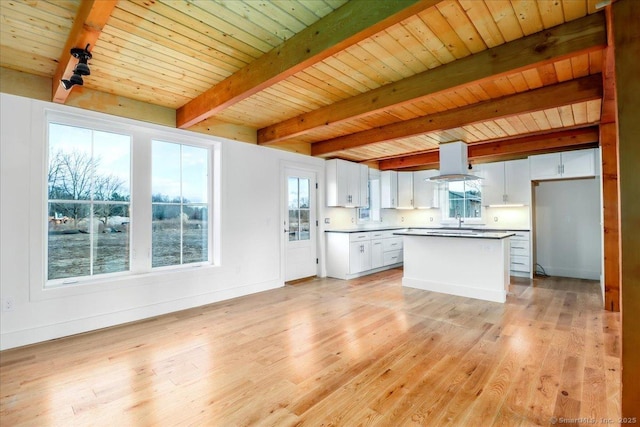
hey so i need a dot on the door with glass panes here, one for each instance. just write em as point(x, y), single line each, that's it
point(300, 224)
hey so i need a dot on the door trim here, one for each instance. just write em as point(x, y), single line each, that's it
point(319, 203)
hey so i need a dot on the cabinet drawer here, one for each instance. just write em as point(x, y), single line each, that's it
point(359, 237)
point(387, 234)
point(392, 257)
point(520, 248)
point(392, 244)
point(378, 234)
point(520, 235)
point(520, 263)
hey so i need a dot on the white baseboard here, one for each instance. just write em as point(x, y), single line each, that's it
point(49, 332)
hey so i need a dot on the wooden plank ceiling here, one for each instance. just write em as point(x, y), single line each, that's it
point(360, 80)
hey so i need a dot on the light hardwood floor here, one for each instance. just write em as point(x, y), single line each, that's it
point(331, 352)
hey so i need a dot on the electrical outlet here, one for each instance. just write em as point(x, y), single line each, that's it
point(327, 220)
point(7, 304)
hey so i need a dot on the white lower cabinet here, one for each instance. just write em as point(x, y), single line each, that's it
point(359, 256)
point(521, 254)
point(351, 255)
point(377, 254)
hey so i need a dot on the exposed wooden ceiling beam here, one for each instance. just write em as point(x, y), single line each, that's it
point(575, 37)
point(504, 148)
point(346, 26)
point(570, 92)
point(609, 103)
point(91, 18)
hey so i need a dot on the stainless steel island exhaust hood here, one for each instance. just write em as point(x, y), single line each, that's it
point(454, 161)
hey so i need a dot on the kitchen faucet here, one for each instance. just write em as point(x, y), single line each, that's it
point(460, 220)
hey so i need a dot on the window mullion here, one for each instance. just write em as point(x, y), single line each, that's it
point(181, 208)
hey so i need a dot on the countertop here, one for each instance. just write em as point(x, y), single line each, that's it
point(467, 234)
point(364, 229)
point(387, 228)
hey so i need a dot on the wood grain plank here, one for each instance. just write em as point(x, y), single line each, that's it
point(481, 18)
point(539, 99)
point(528, 16)
point(551, 12)
point(534, 144)
point(487, 65)
point(328, 351)
point(313, 44)
point(462, 25)
point(574, 9)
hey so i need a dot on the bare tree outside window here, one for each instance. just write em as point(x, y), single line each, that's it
point(88, 209)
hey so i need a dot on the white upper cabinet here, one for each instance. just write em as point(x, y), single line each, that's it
point(506, 183)
point(425, 192)
point(346, 183)
point(388, 189)
point(493, 183)
point(517, 182)
point(578, 163)
point(570, 164)
point(405, 190)
point(364, 185)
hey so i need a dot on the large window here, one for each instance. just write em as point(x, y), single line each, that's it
point(180, 176)
point(88, 202)
point(122, 199)
point(464, 199)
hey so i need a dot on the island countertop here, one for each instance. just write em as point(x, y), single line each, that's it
point(468, 234)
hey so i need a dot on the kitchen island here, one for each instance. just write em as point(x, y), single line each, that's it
point(468, 263)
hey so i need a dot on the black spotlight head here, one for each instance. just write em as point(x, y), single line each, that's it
point(76, 79)
point(82, 69)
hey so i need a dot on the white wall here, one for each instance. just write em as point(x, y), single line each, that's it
point(568, 228)
point(250, 238)
point(506, 218)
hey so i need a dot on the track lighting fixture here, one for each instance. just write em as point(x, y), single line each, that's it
point(82, 69)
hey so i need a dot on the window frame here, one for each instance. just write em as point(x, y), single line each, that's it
point(444, 203)
point(140, 271)
point(209, 260)
point(93, 126)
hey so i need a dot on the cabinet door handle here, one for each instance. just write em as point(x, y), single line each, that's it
point(518, 263)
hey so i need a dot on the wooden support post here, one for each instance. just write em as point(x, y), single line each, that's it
point(627, 52)
point(611, 219)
